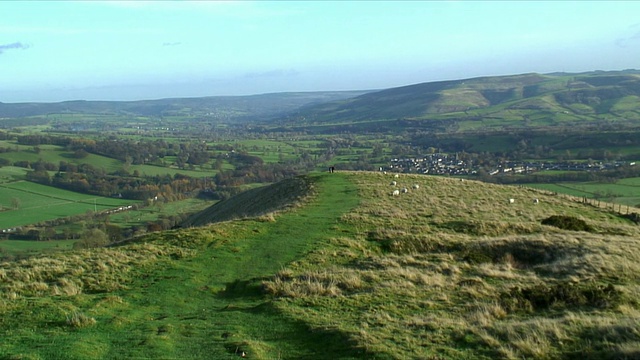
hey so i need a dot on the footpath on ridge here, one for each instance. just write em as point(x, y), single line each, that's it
point(211, 306)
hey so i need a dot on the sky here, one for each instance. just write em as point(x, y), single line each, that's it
point(133, 50)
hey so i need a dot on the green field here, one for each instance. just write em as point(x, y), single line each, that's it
point(143, 216)
point(624, 191)
point(30, 248)
point(153, 170)
point(36, 203)
point(12, 173)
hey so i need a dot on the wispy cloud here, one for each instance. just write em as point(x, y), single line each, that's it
point(629, 40)
point(15, 45)
point(623, 42)
point(171, 43)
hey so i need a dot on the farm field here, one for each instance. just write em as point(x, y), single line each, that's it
point(26, 203)
point(153, 170)
point(143, 216)
point(28, 247)
point(623, 191)
point(12, 173)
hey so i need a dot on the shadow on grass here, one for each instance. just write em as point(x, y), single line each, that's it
point(293, 338)
point(296, 339)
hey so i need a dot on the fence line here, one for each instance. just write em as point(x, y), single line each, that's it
point(597, 203)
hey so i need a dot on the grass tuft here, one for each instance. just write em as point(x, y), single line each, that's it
point(79, 320)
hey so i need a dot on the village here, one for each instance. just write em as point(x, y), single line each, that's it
point(446, 164)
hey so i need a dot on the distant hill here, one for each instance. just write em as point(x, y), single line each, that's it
point(233, 107)
point(509, 97)
point(514, 100)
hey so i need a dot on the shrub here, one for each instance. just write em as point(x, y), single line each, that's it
point(92, 238)
point(635, 217)
point(567, 223)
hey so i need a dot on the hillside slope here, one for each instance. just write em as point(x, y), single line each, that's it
point(236, 107)
point(255, 202)
point(521, 96)
point(449, 270)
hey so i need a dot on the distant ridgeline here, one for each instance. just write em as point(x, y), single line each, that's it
point(526, 97)
point(252, 107)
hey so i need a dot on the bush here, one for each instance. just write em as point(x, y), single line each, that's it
point(567, 223)
point(92, 238)
point(635, 217)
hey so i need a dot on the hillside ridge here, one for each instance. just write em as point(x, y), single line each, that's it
point(255, 202)
point(451, 269)
point(581, 94)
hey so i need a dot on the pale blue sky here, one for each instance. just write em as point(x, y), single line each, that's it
point(126, 50)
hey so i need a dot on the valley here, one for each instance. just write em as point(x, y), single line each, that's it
point(212, 228)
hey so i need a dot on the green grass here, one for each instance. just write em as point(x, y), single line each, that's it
point(451, 270)
point(21, 247)
point(623, 191)
point(12, 173)
point(206, 306)
point(145, 215)
point(40, 203)
point(153, 170)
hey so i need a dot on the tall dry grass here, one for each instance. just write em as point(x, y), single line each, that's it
point(453, 265)
point(95, 270)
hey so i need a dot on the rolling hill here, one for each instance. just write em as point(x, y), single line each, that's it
point(558, 97)
point(449, 270)
point(252, 107)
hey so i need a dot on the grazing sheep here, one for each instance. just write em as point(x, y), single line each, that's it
point(393, 183)
point(405, 190)
point(535, 201)
point(396, 192)
point(396, 176)
point(416, 186)
point(511, 201)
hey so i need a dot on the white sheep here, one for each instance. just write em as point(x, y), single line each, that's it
point(416, 186)
point(396, 192)
point(511, 201)
point(396, 176)
point(405, 190)
point(393, 183)
point(535, 201)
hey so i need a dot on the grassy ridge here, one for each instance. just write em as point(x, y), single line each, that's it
point(254, 202)
point(450, 270)
point(207, 305)
point(495, 102)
